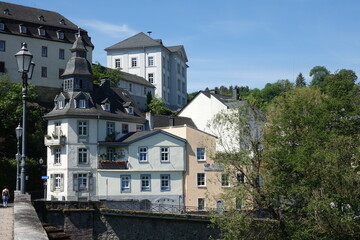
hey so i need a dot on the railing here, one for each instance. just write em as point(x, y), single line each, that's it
point(54, 141)
point(107, 164)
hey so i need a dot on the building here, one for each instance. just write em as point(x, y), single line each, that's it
point(204, 180)
point(84, 115)
point(164, 67)
point(48, 35)
point(138, 87)
point(150, 168)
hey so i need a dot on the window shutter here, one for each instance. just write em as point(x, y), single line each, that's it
point(61, 182)
point(52, 182)
point(75, 182)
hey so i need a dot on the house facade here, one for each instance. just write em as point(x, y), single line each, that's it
point(151, 168)
point(84, 114)
point(48, 35)
point(164, 67)
point(204, 183)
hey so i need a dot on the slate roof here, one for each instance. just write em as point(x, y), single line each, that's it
point(137, 136)
point(136, 79)
point(12, 15)
point(116, 96)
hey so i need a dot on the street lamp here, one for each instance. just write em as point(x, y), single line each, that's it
point(26, 68)
point(18, 132)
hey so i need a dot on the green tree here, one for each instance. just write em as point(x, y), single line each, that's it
point(157, 106)
point(300, 81)
point(100, 73)
point(318, 74)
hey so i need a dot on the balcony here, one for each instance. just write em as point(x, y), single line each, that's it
point(107, 164)
point(53, 141)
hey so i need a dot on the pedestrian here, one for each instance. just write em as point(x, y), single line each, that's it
point(5, 196)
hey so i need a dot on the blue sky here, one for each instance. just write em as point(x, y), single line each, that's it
point(229, 42)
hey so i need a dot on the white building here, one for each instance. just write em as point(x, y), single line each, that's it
point(48, 35)
point(152, 168)
point(165, 67)
point(84, 114)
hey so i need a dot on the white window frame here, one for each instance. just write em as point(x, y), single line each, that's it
point(82, 103)
point(82, 180)
point(42, 31)
point(125, 183)
point(225, 182)
point(110, 128)
point(165, 182)
point(2, 46)
point(60, 35)
point(23, 29)
point(117, 63)
point(60, 104)
point(151, 77)
point(57, 156)
point(201, 157)
point(145, 183)
point(57, 181)
point(204, 180)
point(165, 154)
point(83, 157)
point(143, 154)
point(151, 61)
point(82, 128)
point(201, 208)
point(133, 62)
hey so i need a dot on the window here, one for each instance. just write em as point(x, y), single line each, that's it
point(58, 128)
point(2, 46)
point(183, 71)
point(110, 128)
point(201, 204)
point(61, 53)
point(164, 154)
point(151, 77)
point(178, 68)
point(44, 72)
point(78, 83)
point(2, 26)
point(240, 177)
point(82, 155)
point(150, 61)
point(44, 51)
point(179, 99)
point(2, 67)
point(179, 85)
point(238, 203)
point(82, 181)
point(139, 128)
point(23, 29)
point(106, 107)
point(117, 63)
point(61, 71)
point(143, 154)
point(82, 128)
point(130, 87)
point(60, 35)
point(82, 103)
point(225, 180)
point(110, 152)
point(60, 104)
point(200, 154)
point(145, 91)
point(124, 128)
point(125, 183)
point(133, 62)
point(42, 32)
point(57, 181)
point(57, 155)
point(201, 180)
point(165, 182)
point(145, 182)
point(130, 110)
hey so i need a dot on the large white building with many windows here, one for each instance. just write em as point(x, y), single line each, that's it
point(164, 67)
point(48, 35)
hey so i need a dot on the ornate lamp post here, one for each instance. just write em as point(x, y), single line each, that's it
point(18, 132)
point(26, 68)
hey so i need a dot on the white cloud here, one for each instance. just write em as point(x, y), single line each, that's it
point(108, 29)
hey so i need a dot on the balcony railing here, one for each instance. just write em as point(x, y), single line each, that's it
point(107, 164)
point(54, 140)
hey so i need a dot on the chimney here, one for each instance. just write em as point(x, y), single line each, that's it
point(150, 120)
point(171, 121)
point(235, 95)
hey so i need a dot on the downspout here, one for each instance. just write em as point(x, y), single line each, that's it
point(97, 156)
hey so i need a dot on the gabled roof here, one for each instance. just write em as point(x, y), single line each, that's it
point(136, 41)
point(179, 50)
point(136, 79)
point(167, 121)
point(137, 136)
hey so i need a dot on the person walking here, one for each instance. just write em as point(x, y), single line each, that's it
point(5, 196)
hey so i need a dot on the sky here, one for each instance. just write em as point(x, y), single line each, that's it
point(229, 42)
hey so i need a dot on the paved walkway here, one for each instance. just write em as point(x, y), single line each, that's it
point(7, 222)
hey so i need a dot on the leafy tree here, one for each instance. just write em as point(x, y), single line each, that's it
point(300, 81)
point(318, 73)
point(100, 72)
point(157, 106)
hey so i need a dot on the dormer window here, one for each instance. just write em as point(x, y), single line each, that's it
point(62, 22)
point(41, 18)
point(106, 107)
point(82, 103)
point(23, 29)
point(60, 35)
point(42, 31)
point(2, 26)
point(7, 12)
point(130, 110)
point(60, 104)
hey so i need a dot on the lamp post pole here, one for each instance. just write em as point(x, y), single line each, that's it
point(18, 132)
point(26, 67)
